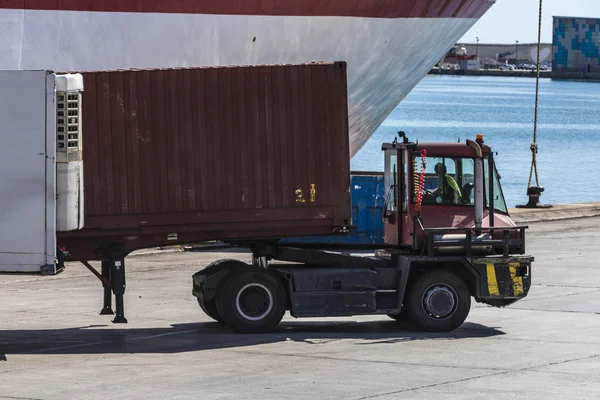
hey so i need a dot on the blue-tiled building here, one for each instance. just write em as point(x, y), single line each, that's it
point(576, 44)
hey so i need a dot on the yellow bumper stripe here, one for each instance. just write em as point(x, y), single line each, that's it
point(516, 280)
point(491, 278)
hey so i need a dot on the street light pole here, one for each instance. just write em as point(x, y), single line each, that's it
point(517, 53)
point(477, 48)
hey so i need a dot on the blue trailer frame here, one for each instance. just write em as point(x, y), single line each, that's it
point(367, 193)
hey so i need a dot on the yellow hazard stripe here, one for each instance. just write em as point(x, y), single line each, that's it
point(491, 278)
point(516, 280)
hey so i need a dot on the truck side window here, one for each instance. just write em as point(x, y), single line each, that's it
point(467, 181)
point(447, 180)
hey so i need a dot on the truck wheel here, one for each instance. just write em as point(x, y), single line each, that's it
point(210, 309)
point(438, 301)
point(400, 317)
point(253, 301)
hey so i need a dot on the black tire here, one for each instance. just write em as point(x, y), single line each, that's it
point(401, 317)
point(210, 309)
point(252, 301)
point(437, 301)
point(224, 263)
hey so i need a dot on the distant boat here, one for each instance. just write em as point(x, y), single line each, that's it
point(389, 45)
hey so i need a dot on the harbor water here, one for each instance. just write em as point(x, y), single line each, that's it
point(449, 108)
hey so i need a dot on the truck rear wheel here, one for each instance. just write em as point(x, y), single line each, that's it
point(437, 301)
point(253, 301)
point(402, 316)
point(210, 309)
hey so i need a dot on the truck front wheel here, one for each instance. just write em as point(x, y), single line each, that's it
point(437, 301)
point(252, 301)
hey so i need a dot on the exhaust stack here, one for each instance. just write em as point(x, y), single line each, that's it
point(478, 184)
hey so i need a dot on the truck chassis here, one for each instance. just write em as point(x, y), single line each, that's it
point(433, 292)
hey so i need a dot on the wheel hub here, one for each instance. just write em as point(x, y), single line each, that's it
point(254, 301)
point(439, 301)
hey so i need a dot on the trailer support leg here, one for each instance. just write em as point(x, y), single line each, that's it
point(116, 258)
point(107, 308)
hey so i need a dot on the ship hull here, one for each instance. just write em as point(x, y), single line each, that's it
point(386, 57)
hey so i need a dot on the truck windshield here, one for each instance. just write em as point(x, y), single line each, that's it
point(448, 180)
point(499, 202)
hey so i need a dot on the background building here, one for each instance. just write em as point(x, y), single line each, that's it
point(509, 52)
point(576, 44)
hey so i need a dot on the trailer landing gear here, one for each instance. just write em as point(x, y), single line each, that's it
point(116, 263)
point(112, 278)
point(107, 308)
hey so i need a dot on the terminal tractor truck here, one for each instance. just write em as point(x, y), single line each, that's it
point(448, 238)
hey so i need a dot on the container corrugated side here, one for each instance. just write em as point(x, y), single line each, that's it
point(181, 155)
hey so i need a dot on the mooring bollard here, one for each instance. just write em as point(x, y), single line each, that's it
point(534, 193)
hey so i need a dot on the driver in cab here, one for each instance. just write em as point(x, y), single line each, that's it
point(448, 190)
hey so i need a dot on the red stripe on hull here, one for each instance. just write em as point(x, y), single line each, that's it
point(308, 8)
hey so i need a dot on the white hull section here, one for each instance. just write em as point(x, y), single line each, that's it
point(386, 57)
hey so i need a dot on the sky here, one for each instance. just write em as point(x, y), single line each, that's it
point(511, 20)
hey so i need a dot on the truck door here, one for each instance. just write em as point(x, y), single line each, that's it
point(396, 195)
point(390, 207)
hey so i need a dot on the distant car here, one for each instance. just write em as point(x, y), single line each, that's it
point(533, 67)
point(506, 67)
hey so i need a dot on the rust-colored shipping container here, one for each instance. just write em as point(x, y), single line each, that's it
point(177, 156)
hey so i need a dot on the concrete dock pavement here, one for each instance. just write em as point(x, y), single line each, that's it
point(557, 212)
point(54, 345)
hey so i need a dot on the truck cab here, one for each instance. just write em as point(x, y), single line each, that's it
point(433, 186)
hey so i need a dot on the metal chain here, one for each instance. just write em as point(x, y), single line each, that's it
point(534, 146)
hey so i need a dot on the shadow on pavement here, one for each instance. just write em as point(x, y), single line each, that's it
point(110, 339)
